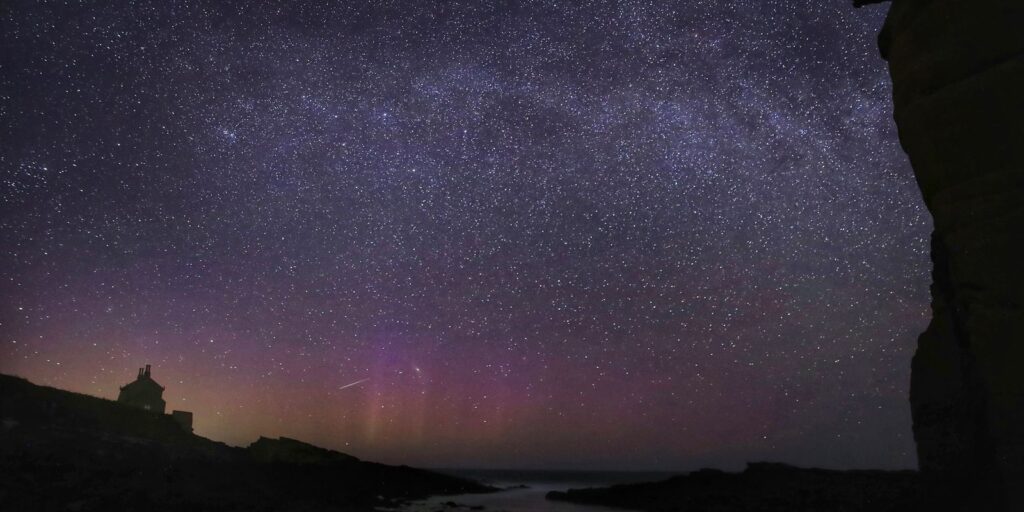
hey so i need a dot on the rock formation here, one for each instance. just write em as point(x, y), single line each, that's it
point(958, 90)
point(764, 487)
point(293, 451)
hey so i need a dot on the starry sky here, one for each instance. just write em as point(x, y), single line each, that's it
point(631, 235)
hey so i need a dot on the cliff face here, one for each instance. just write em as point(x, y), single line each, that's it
point(958, 84)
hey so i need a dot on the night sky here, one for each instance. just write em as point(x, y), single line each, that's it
point(522, 234)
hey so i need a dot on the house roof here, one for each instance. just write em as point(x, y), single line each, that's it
point(143, 382)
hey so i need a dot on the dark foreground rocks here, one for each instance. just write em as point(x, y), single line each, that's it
point(763, 487)
point(64, 451)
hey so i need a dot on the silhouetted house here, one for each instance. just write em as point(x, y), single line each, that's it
point(143, 393)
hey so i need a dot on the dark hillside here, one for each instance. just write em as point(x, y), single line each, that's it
point(66, 451)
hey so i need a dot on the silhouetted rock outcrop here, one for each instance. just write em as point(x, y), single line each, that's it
point(67, 451)
point(763, 487)
point(293, 451)
point(958, 77)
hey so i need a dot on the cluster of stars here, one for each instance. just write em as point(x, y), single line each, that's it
point(630, 235)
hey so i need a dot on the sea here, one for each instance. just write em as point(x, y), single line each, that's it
point(524, 491)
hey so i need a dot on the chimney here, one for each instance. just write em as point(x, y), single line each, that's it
point(147, 370)
point(140, 373)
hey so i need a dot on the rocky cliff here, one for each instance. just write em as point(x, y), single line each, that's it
point(958, 89)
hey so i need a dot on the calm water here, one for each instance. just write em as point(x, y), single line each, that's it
point(532, 498)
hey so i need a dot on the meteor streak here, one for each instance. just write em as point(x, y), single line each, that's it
point(354, 383)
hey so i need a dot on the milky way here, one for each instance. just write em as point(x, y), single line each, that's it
point(639, 235)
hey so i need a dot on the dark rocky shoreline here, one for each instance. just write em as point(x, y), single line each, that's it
point(65, 451)
point(762, 487)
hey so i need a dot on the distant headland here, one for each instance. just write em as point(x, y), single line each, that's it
point(763, 487)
